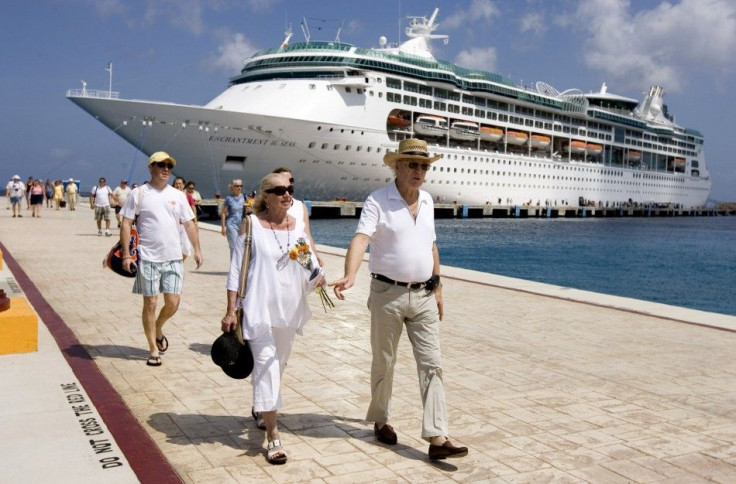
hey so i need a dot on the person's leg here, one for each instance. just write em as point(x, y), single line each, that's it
point(423, 332)
point(387, 322)
point(171, 305)
point(149, 323)
point(266, 380)
point(284, 341)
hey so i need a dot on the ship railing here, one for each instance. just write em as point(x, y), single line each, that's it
point(93, 93)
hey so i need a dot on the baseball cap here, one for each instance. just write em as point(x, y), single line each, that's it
point(161, 156)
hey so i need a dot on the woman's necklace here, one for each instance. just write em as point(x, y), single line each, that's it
point(285, 253)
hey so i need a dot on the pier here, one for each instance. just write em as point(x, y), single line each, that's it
point(544, 383)
point(347, 209)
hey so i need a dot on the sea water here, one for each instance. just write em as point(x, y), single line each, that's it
point(680, 261)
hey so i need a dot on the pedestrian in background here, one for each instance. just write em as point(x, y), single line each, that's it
point(299, 211)
point(119, 195)
point(58, 194)
point(49, 192)
point(231, 215)
point(15, 190)
point(37, 196)
point(100, 201)
point(72, 192)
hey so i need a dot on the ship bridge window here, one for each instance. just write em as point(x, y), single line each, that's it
point(336, 147)
point(312, 144)
point(325, 145)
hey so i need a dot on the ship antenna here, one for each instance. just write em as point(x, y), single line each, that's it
point(337, 37)
point(305, 29)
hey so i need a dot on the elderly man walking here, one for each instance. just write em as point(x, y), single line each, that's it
point(398, 223)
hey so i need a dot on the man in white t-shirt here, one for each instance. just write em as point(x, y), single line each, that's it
point(100, 201)
point(15, 189)
point(157, 210)
point(119, 196)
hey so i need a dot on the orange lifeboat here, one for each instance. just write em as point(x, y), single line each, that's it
point(632, 155)
point(398, 120)
point(516, 137)
point(490, 133)
point(575, 147)
point(539, 141)
point(593, 149)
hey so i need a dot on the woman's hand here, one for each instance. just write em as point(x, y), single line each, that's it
point(229, 322)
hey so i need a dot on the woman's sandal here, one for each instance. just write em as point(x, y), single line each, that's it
point(160, 344)
point(154, 361)
point(276, 454)
point(260, 423)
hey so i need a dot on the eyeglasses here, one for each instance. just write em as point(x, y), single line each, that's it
point(163, 164)
point(280, 190)
point(413, 165)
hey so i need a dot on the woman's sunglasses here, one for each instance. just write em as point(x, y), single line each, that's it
point(280, 190)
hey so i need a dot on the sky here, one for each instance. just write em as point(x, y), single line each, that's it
point(184, 51)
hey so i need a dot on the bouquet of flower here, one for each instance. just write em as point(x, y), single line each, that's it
point(301, 253)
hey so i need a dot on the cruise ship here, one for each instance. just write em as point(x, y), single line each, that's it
point(330, 110)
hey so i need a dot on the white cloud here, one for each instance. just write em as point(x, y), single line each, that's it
point(478, 58)
point(662, 45)
point(232, 51)
point(479, 11)
point(532, 22)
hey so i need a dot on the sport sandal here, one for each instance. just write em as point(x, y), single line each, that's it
point(276, 454)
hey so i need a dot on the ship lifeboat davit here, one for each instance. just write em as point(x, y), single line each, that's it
point(489, 133)
point(428, 125)
point(397, 120)
point(464, 130)
point(539, 141)
point(576, 147)
point(593, 149)
point(516, 137)
point(632, 155)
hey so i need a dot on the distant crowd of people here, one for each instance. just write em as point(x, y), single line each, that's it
point(37, 193)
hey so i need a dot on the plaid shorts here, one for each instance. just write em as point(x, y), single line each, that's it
point(159, 277)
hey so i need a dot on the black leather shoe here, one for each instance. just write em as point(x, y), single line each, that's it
point(385, 434)
point(446, 451)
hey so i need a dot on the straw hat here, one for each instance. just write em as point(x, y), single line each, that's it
point(410, 149)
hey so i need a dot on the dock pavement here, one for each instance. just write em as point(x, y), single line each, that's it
point(543, 383)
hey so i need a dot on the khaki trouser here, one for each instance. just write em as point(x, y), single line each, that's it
point(391, 308)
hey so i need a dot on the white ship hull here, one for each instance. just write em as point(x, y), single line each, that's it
point(333, 131)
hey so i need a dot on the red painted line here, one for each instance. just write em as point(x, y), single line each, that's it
point(145, 458)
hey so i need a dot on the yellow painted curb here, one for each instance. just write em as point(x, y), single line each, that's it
point(18, 328)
